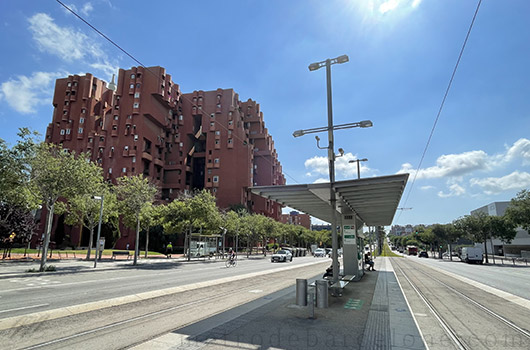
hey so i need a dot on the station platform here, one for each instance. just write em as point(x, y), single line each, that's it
point(371, 314)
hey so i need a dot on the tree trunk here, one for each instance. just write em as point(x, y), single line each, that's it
point(146, 241)
point(47, 234)
point(90, 242)
point(137, 240)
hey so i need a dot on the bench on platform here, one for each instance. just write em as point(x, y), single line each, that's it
point(120, 252)
point(343, 282)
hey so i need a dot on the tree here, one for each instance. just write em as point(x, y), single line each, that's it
point(57, 173)
point(15, 169)
point(519, 210)
point(134, 193)
point(84, 210)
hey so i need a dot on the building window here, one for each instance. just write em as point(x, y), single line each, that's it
point(136, 105)
point(115, 117)
point(83, 110)
point(124, 170)
point(66, 103)
point(90, 139)
point(216, 178)
point(215, 189)
point(209, 171)
point(133, 76)
point(216, 160)
point(126, 148)
point(229, 132)
point(216, 142)
point(62, 131)
point(131, 86)
point(212, 124)
point(134, 159)
point(218, 132)
point(75, 83)
point(80, 130)
point(209, 180)
point(69, 84)
point(65, 112)
point(212, 115)
point(181, 117)
point(229, 141)
point(230, 122)
point(135, 137)
point(81, 120)
point(138, 85)
point(67, 131)
point(129, 116)
point(136, 95)
point(115, 127)
point(101, 139)
point(110, 170)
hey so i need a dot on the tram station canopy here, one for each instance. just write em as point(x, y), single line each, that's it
point(374, 200)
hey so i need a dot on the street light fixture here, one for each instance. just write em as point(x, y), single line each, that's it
point(358, 166)
point(99, 198)
point(331, 152)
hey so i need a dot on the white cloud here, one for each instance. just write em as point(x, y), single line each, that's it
point(455, 190)
point(24, 94)
point(451, 165)
point(66, 43)
point(428, 187)
point(494, 185)
point(416, 3)
point(520, 149)
point(69, 44)
point(343, 168)
point(87, 8)
point(388, 6)
point(320, 180)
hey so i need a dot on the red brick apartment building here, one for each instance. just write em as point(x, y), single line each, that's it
point(296, 218)
point(145, 125)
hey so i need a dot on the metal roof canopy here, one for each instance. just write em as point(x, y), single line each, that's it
point(373, 199)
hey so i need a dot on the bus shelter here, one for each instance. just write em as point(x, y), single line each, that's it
point(369, 201)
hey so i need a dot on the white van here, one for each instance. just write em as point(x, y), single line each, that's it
point(471, 255)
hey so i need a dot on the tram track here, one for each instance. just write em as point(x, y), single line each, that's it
point(463, 319)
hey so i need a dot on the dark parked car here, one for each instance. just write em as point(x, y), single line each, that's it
point(423, 255)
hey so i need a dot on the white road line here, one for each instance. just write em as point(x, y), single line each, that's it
point(23, 308)
point(52, 314)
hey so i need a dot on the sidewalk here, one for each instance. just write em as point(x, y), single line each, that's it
point(19, 267)
point(371, 314)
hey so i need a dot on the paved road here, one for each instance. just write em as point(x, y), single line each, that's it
point(511, 279)
point(128, 324)
point(30, 293)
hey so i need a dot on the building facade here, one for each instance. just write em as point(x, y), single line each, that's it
point(296, 218)
point(143, 124)
point(519, 246)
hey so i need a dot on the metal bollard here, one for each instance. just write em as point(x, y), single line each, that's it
point(322, 294)
point(301, 292)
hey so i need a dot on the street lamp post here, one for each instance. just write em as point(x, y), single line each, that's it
point(358, 166)
point(331, 153)
point(100, 198)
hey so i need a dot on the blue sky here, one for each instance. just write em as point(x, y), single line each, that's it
point(402, 54)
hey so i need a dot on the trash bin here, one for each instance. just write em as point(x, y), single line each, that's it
point(301, 292)
point(322, 294)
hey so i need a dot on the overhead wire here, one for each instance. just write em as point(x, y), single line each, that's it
point(441, 106)
point(147, 68)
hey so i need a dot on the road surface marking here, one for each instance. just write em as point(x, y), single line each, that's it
point(23, 308)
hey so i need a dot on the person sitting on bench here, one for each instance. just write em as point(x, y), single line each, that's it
point(368, 260)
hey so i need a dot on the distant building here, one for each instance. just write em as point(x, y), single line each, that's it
point(296, 218)
point(520, 243)
point(398, 230)
point(143, 124)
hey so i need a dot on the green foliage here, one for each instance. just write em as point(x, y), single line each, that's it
point(134, 194)
point(519, 210)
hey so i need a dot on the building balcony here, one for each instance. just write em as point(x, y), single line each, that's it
point(147, 156)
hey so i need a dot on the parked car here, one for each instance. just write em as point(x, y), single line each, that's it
point(423, 255)
point(319, 253)
point(472, 255)
point(282, 255)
